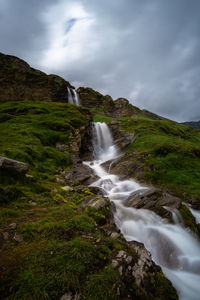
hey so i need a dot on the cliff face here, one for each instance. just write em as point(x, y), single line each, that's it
point(21, 82)
point(114, 108)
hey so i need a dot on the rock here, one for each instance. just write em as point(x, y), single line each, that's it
point(69, 296)
point(120, 269)
point(155, 200)
point(96, 190)
point(144, 263)
point(18, 237)
point(32, 203)
point(125, 141)
point(80, 174)
point(121, 254)
point(93, 99)
point(115, 235)
point(13, 165)
point(59, 179)
point(122, 108)
point(62, 147)
point(129, 165)
point(21, 82)
point(97, 203)
point(11, 226)
point(118, 108)
point(29, 176)
point(115, 263)
point(5, 235)
point(67, 188)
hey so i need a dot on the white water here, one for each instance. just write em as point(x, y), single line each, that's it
point(73, 97)
point(171, 246)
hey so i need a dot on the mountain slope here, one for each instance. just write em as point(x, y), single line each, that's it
point(57, 235)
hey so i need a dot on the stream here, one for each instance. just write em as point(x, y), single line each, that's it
point(172, 247)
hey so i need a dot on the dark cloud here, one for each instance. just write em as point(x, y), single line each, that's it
point(145, 50)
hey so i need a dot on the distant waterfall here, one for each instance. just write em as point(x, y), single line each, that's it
point(73, 97)
point(171, 245)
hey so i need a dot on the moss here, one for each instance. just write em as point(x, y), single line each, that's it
point(188, 218)
point(102, 286)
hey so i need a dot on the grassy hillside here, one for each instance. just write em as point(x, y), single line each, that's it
point(171, 150)
point(49, 246)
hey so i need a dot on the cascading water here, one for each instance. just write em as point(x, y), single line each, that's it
point(73, 97)
point(76, 98)
point(171, 246)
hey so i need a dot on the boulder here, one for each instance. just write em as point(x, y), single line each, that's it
point(13, 165)
point(161, 202)
point(81, 174)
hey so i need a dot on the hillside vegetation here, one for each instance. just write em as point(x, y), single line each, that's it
point(170, 149)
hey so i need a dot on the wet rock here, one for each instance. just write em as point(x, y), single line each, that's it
point(156, 200)
point(13, 165)
point(97, 203)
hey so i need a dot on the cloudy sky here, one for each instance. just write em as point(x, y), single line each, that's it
point(147, 51)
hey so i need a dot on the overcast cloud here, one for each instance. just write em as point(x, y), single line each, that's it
point(147, 51)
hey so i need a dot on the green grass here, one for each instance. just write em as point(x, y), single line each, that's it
point(29, 133)
point(173, 150)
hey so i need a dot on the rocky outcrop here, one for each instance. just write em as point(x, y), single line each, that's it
point(122, 108)
point(13, 165)
point(121, 138)
point(105, 104)
point(18, 81)
point(93, 99)
point(161, 202)
point(80, 174)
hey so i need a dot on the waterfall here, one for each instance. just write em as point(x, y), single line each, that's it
point(171, 245)
point(73, 97)
point(104, 149)
point(76, 98)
